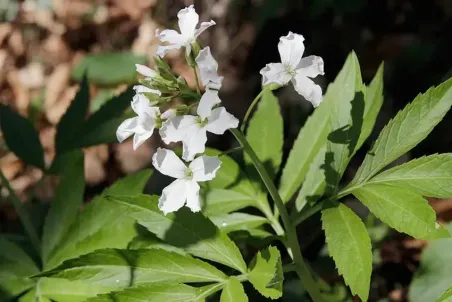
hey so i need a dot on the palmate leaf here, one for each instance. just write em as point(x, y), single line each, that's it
point(122, 268)
point(69, 290)
point(266, 126)
point(191, 231)
point(151, 293)
point(21, 137)
point(428, 176)
point(99, 225)
point(64, 207)
point(406, 130)
point(401, 209)
point(15, 268)
point(233, 291)
point(266, 273)
point(433, 276)
point(349, 245)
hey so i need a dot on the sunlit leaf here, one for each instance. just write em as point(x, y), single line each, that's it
point(266, 273)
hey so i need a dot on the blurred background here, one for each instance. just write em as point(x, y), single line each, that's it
point(46, 45)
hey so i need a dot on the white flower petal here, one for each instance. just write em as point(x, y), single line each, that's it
point(126, 129)
point(291, 49)
point(144, 89)
point(168, 114)
point(208, 100)
point(168, 163)
point(176, 128)
point(194, 143)
point(311, 66)
point(173, 196)
point(142, 106)
point(308, 89)
point(145, 71)
point(203, 27)
point(170, 35)
point(192, 193)
point(205, 167)
point(208, 68)
point(140, 137)
point(162, 50)
point(275, 73)
point(188, 19)
point(220, 121)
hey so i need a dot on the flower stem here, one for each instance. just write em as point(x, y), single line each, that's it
point(293, 246)
point(26, 222)
point(198, 89)
point(250, 109)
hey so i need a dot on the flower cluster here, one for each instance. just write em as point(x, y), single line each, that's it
point(158, 87)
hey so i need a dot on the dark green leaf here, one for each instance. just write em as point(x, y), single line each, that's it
point(109, 69)
point(406, 130)
point(148, 240)
point(65, 205)
point(402, 209)
point(122, 268)
point(349, 245)
point(233, 291)
point(266, 126)
point(73, 119)
point(266, 273)
point(21, 137)
point(184, 229)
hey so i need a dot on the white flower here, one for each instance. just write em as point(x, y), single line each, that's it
point(185, 189)
point(208, 68)
point(294, 68)
point(192, 130)
point(188, 19)
point(139, 89)
point(147, 72)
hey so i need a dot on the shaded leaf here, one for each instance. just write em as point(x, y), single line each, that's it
point(428, 176)
point(233, 291)
point(184, 229)
point(65, 205)
point(21, 137)
point(266, 126)
point(266, 273)
point(148, 240)
point(222, 201)
point(109, 68)
point(122, 268)
point(402, 209)
point(406, 130)
point(349, 245)
point(238, 221)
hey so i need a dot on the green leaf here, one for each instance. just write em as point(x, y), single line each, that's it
point(238, 221)
point(346, 120)
point(21, 137)
point(266, 273)
point(184, 229)
point(373, 101)
point(112, 267)
point(73, 119)
point(33, 296)
point(109, 68)
point(151, 293)
point(15, 268)
point(433, 276)
point(446, 296)
point(100, 128)
point(349, 245)
point(266, 126)
point(100, 224)
point(314, 185)
point(402, 209)
point(64, 207)
point(148, 240)
point(70, 290)
point(222, 201)
point(406, 130)
point(311, 138)
point(428, 176)
point(233, 291)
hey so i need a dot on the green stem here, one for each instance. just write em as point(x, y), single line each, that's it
point(230, 151)
point(198, 88)
point(302, 216)
point(250, 109)
point(23, 215)
point(292, 240)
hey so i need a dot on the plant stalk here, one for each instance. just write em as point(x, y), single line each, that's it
point(23, 215)
point(292, 240)
point(250, 109)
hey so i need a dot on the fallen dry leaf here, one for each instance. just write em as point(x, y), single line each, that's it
point(130, 161)
point(56, 85)
point(11, 165)
point(55, 112)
